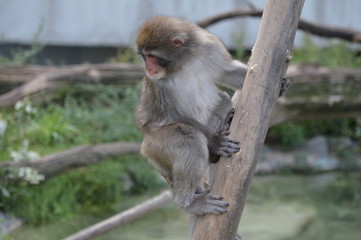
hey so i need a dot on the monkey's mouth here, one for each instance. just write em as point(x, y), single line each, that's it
point(153, 68)
point(154, 74)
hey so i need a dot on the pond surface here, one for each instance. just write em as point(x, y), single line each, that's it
point(323, 207)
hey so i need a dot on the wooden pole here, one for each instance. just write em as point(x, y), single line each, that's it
point(267, 66)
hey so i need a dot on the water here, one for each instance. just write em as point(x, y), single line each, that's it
point(278, 208)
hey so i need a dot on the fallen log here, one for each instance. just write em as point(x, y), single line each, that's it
point(339, 88)
point(49, 79)
point(319, 93)
point(81, 156)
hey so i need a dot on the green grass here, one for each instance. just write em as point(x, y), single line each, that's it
point(106, 116)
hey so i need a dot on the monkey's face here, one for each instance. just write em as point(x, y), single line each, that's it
point(155, 66)
point(163, 43)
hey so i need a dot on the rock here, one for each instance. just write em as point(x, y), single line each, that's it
point(8, 223)
point(274, 221)
point(317, 146)
point(314, 155)
point(318, 154)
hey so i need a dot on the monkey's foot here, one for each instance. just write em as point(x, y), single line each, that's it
point(208, 203)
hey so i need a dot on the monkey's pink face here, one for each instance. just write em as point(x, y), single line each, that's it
point(152, 66)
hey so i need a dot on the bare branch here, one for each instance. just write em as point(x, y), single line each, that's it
point(50, 79)
point(57, 163)
point(307, 26)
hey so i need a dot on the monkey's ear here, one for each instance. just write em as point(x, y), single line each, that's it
point(178, 41)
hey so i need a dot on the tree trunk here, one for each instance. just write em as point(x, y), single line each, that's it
point(254, 103)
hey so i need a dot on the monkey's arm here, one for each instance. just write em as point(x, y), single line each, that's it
point(234, 75)
point(218, 143)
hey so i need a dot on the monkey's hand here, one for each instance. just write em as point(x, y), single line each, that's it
point(221, 144)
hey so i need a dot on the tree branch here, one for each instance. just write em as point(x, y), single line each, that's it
point(307, 26)
point(122, 218)
point(254, 104)
point(57, 163)
point(49, 79)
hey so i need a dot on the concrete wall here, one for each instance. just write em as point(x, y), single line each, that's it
point(114, 22)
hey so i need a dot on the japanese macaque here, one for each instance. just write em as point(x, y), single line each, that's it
point(184, 117)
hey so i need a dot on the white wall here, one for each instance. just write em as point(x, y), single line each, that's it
point(114, 22)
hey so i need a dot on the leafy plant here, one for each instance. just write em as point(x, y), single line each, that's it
point(335, 54)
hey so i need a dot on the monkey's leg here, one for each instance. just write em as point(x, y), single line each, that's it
point(189, 166)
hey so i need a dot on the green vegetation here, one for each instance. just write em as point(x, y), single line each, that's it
point(101, 114)
point(274, 204)
point(290, 135)
point(90, 114)
point(336, 54)
point(126, 55)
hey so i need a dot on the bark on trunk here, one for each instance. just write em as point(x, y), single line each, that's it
point(254, 103)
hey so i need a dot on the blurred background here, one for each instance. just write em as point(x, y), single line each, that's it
point(69, 83)
point(92, 31)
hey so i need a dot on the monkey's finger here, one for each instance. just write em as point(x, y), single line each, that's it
point(225, 154)
point(230, 144)
point(214, 196)
point(220, 210)
point(229, 116)
point(202, 194)
point(226, 132)
point(216, 210)
point(230, 140)
point(218, 203)
point(228, 150)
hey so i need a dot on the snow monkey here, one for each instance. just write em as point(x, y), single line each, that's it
point(183, 116)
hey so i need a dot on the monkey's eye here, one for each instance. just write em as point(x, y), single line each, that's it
point(162, 62)
point(151, 56)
